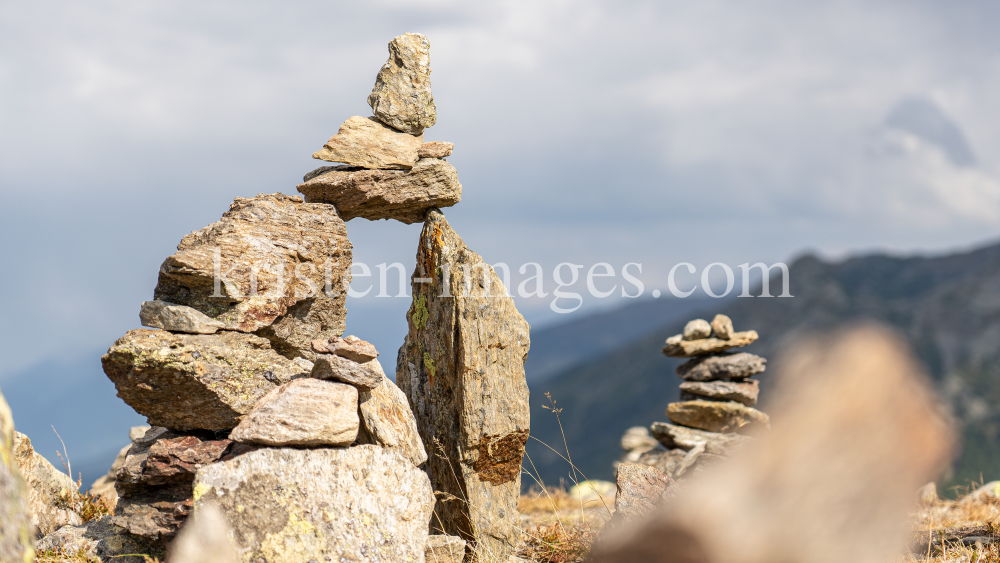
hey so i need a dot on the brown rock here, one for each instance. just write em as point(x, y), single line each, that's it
point(678, 347)
point(402, 95)
point(684, 438)
point(716, 416)
point(49, 490)
point(387, 421)
point(436, 149)
point(386, 194)
point(366, 142)
point(265, 256)
point(363, 376)
point(641, 488)
point(303, 412)
point(351, 347)
point(194, 381)
point(462, 369)
point(724, 366)
point(722, 326)
point(444, 549)
point(745, 391)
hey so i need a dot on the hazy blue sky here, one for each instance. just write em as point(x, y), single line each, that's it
point(586, 131)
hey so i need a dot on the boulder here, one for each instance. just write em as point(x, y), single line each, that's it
point(403, 195)
point(204, 539)
point(444, 549)
point(402, 96)
point(177, 318)
point(368, 143)
point(16, 529)
point(745, 391)
point(49, 490)
point(722, 327)
point(303, 412)
point(435, 149)
point(387, 421)
point(461, 367)
point(641, 488)
point(725, 366)
point(678, 347)
point(363, 503)
point(717, 416)
point(697, 330)
point(363, 376)
point(684, 438)
point(350, 347)
point(271, 261)
point(195, 381)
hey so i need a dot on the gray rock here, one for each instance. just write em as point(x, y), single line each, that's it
point(195, 381)
point(725, 366)
point(641, 488)
point(745, 391)
point(697, 330)
point(50, 491)
point(403, 195)
point(436, 149)
point(684, 438)
point(368, 143)
point(666, 461)
point(363, 376)
point(402, 96)
point(722, 327)
point(462, 370)
point(99, 539)
point(444, 549)
point(137, 432)
point(387, 421)
point(718, 416)
point(350, 347)
point(16, 530)
point(303, 412)
point(204, 539)
point(363, 503)
point(177, 318)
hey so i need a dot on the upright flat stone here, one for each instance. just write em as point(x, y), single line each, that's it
point(272, 264)
point(366, 142)
point(387, 421)
point(462, 369)
point(303, 412)
point(717, 416)
point(16, 538)
point(403, 195)
point(195, 381)
point(745, 391)
point(725, 366)
point(402, 96)
point(363, 503)
point(681, 437)
point(678, 347)
point(47, 489)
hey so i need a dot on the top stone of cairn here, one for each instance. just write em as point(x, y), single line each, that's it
point(701, 338)
point(402, 96)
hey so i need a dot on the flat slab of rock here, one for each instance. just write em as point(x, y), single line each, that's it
point(195, 381)
point(444, 549)
point(387, 421)
point(678, 347)
point(363, 376)
point(402, 96)
point(177, 318)
point(47, 489)
point(436, 149)
point(724, 366)
point(303, 412)
point(368, 143)
point(363, 503)
point(403, 195)
point(266, 264)
point(745, 391)
point(684, 438)
point(717, 416)
point(462, 370)
point(350, 347)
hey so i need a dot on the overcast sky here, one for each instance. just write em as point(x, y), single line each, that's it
point(586, 131)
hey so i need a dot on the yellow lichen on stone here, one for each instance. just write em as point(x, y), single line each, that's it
point(199, 491)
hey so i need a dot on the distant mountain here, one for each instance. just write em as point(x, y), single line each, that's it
point(948, 308)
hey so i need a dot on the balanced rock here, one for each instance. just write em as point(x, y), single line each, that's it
point(717, 416)
point(722, 327)
point(195, 381)
point(697, 330)
point(745, 391)
point(727, 366)
point(363, 503)
point(444, 549)
point(16, 537)
point(462, 369)
point(350, 347)
point(363, 376)
point(177, 318)
point(272, 264)
point(402, 96)
point(50, 491)
point(303, 412)
point(366, 142)
point(387, 421)
point(436, 149)
point(403, 195)
point(681, 437)
point(678, 347)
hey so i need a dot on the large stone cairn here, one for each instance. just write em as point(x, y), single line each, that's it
point(260, 407)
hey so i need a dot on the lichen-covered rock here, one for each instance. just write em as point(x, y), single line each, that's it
point(402, 96)
point(367, 375)
point(435, 149)
point(403, 195)
point(462, 369)
point(177, 318)
point(363, 503)
point(745, 391)
point(195, 381)
point(684, 438)
point(16, 530)
point(270, 260)
point(387, 421)
point(718, 416)
point(678, 347)
point(303, 412)
point(723, 366)
point(99, 539)
point(368, 143)
point(48, 489)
